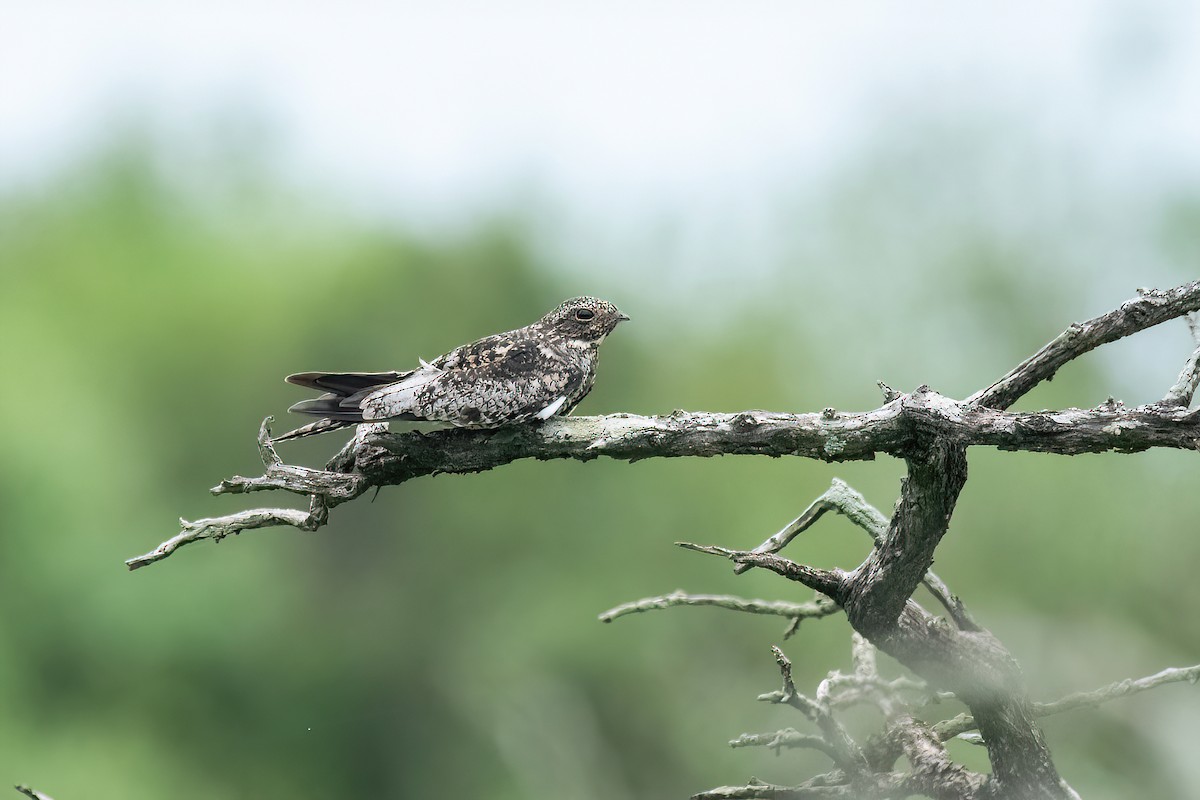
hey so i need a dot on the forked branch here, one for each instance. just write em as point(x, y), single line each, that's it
point(932, 434)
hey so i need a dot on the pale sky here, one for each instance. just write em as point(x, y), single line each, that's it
point(619, 107)
point(654, 141)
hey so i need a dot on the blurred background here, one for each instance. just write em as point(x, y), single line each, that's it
point(792, 201)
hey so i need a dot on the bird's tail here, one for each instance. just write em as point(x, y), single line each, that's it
point(344, 384)
point(338, 407)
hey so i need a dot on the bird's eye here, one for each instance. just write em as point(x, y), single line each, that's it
point(584, 314)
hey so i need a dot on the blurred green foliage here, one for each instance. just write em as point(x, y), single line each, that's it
point(442, 641)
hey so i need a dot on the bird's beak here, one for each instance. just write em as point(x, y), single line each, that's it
point(622, 317)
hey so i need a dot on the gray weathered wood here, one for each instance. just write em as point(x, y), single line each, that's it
point(933, 434)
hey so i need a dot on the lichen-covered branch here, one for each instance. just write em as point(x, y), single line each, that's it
point(1180, 394)
point(32, 793)
point(1122, 688)
point(381, 459)
point(336, 486)
point(843, 499)
point(325, 488)
point(1151, 307)
point(810, 790)
point(217, 528)
point(815, 609)
point(959, 725)
point(839, 497)
point(841, 748)
point(781, 740)
point(932, 434)
point(827, 581)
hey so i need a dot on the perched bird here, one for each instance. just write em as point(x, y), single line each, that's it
point(535, 372)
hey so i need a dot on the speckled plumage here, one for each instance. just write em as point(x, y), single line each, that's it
point(535, 372)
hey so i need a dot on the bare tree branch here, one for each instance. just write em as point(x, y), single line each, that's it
point(32, 793)
point(338, 486)
point(933, 773)
point(842, 749)
point(1119, 689)
point(784, 739)
point(879, 786)
point(950, 601)
point(1180, 395)
point(217, 528)
point(381, 459)
point(1150, 308)
point(324, 488)
point(767, 791)
point(838, 497)
point(959, 725)
point(816, 609)
point(827, 581)
point(866, 686)
point(843, 499)
point(969, 662)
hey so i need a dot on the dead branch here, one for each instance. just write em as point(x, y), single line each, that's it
point(932, 434)
point(32, 793)
point(816, 609)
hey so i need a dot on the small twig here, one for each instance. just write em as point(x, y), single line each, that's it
point(887, 696)
point(848, 502)
point(950, 601)
point(823, 787)
point(826, 581)
point(816, 609)
point(768, 791)
point(793, 627)
point(962, 723)
point(789, 694)
point(863, 656)
point(217, 528)
point(1119, 689)
point(324, 488)
point(787, 738)
point(866, 685)
point(1150, 308)
point(33, 793)
point(838, 497)
point(1180, 395)
point(947, 729)
point(337, 486)
point(841, 748)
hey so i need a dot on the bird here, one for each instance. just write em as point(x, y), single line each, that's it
point(528, 374)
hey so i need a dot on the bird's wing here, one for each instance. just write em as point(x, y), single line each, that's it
point(513, 382)
point(483, 351)
point(399, 392)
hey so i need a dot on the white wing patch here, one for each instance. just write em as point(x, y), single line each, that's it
point(397, 398)
point(552, 409)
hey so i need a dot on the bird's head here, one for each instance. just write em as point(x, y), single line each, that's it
point(586, 319)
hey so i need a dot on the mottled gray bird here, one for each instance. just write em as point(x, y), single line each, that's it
point(531, 373)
